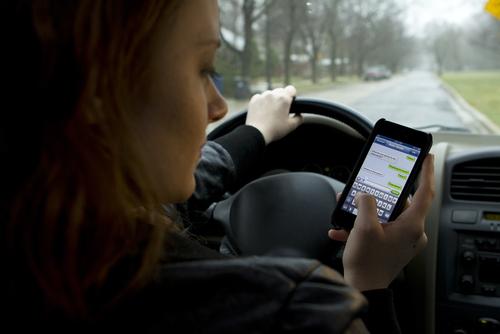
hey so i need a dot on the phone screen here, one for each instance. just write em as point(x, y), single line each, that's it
point(383, 174)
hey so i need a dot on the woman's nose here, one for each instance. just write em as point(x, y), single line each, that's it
point(217, 107)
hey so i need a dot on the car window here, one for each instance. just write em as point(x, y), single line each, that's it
point(431, 64)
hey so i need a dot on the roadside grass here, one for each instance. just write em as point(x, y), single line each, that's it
point(480, 89)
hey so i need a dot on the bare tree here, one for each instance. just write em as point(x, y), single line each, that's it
point(313, 31)
point(364, 18)
point(393, 45)
point(268, 47)
point(334, 33)
point(358, 32)
point(251, 11)
point(291, 10)
point(485, 33)
point(445, 47)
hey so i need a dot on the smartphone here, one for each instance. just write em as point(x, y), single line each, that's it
point(387, 169)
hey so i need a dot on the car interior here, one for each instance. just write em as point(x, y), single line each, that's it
point(453, 286)
point(285, 207)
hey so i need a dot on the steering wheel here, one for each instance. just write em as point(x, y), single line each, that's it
point(330, 110)
point(287, 214)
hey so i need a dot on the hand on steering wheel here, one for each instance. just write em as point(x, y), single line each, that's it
point(269, 113)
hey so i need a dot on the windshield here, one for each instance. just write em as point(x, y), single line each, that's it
point(422, 63)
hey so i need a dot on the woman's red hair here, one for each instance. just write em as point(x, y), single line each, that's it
point(77, 208)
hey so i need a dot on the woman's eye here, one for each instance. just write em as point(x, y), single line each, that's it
point(211, 73)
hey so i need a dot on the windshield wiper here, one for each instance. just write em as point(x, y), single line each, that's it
point(440, 127)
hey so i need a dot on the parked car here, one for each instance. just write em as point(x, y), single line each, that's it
point(376, 73)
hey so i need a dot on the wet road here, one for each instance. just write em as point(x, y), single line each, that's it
point(415, 99)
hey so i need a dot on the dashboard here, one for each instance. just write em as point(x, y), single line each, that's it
point(453, 286)
point(455, 283)
point(465, 223)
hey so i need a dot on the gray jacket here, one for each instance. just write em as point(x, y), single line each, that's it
point(258, 295)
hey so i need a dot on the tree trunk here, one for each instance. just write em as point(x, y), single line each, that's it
point(246, 55)
point(288, 42)
point(333, 57)
point(269, 69)
point(286, 60)
point(314, 71)
point(314, 67)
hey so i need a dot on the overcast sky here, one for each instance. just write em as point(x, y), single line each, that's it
point(422, 12)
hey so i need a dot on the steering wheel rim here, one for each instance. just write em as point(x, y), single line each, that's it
point(334, 110)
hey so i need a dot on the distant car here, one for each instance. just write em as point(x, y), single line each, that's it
point(376, 73)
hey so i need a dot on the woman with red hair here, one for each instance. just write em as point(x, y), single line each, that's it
point(104, 119)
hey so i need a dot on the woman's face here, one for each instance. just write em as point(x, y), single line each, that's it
point(181, 99)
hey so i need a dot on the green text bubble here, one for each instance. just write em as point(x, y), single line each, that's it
point(394, 186)
point(400, 170)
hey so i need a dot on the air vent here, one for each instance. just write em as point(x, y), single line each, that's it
point(477, 180)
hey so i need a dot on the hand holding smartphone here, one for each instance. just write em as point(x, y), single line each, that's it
point(388, 167)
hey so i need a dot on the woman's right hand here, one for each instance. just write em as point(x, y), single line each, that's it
point(375, 253)
point(269, 113)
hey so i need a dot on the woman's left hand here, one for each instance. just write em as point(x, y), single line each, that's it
point(375, 253)
point(269, 113)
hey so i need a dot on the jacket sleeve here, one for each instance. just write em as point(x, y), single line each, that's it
point(381, 315)
point(322, 303)
point(257, 295)
point(245, 146)
point(225, 164)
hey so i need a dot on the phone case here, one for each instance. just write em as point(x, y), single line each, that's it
point(395, 134)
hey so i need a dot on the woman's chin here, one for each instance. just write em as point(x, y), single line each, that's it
point(184, 193)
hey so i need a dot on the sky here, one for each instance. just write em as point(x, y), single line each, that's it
point(422, 12)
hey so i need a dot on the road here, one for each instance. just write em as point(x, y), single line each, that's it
point(414, 99)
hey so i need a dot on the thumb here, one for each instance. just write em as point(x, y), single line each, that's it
point(295, 121)
point(291, 90)
point(367, 212)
